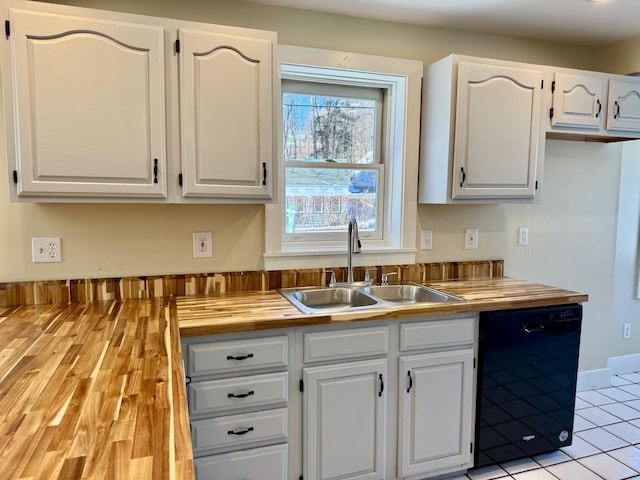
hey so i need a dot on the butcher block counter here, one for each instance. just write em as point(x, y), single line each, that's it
point(205, 315)
point(97, 390)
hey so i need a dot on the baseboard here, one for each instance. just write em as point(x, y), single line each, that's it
point(601, 378)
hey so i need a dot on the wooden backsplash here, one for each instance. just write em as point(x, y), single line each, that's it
point(94, 289)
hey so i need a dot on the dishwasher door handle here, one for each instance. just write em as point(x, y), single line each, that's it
point(533, 327)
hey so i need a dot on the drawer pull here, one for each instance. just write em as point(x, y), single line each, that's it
point(242, 357)
point(241, 395)
point(241, 432)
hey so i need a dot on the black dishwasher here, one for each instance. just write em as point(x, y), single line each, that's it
point(527, 374)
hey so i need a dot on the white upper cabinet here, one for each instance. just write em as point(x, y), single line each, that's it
point(106, 106)
point(577, 101)
point(85, 108)
point(624, 105)
point(226, 114)
point(482, 136)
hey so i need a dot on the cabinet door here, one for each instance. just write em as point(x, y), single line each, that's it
point(226, 115)
point(497, 138)
point(624, 106)
point(89, 107)
point(577, 101)
point(344, 410)
point(256, 464)
point(435, 412)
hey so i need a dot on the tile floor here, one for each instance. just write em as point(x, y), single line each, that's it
point(606, 441)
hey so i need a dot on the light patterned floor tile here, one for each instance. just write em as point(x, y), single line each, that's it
point(579, 448)
point(580, 424)
point(621, 411)
point(617, 394)
point(581, 404)
point(626, 431)
point(487, 473)
point(632, 389)
point(617, 381)
point(607, 467)
point(630, 377)
point(594, 398)
point(633, 404)
point(518, 466)
point(539, 474)
point(630, 456)
point(553, 458)
point(572, 471)
point(602, 439)
point(598, 416)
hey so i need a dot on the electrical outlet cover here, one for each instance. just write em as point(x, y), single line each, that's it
point(46, 250)
point(202, 245)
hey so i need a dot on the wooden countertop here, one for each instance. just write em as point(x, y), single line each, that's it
point(93, 391)
point(96, 390)
point(241, 312)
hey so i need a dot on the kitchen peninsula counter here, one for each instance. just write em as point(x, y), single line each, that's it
point(96, 390)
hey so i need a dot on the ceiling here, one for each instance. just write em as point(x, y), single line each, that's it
point(585, 22)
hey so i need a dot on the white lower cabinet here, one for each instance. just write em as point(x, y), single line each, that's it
point(344, 411)
point(435, 404)
point(384, 400)
point(266, 463)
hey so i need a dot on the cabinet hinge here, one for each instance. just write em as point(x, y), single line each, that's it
point(471, 449)
point(551, 113)
point(178, 46)
point(301, 385)
point(15, 177)
point(553, 86)
point(301, 477)
point(180, 179)
point(187, 380)
point(474, 363)
point(7, 28)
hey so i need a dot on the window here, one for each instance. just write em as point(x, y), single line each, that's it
point(349, 148)
point(331, 153)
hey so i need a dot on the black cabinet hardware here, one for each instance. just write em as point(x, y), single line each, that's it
point(241, 395)
point(381, 386)
point(241, 357)
point(264, 173)
point(241, 432)
point(410, 381)
point(155, 170)
point(464, 176)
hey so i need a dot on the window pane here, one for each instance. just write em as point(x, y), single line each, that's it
point(325, 199)
point(329, 128)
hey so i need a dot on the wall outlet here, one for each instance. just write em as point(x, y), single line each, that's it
point(46, 250)
point(202, 245)
point(523, 236)
point(626, 331)
point(426, 240)
point(471, 238)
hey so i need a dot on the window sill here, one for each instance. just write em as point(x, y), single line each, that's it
point(337, 257)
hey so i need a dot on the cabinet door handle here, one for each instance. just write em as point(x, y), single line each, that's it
point(241, 357)
point(240, 432)
point(410, 381)
point(241, 395)
point(155, 170)
point(599, 108)
point(464, 176)
point(617, 112)
point(381, 386)
point(264, 173)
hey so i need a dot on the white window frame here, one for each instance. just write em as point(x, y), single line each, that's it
point(402, 80)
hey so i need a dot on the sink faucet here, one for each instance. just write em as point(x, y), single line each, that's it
point(353, 246)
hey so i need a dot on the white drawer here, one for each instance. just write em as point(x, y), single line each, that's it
point(239, 392)
point(236, 355)
point(436, 333)
point(237, 431)
point(339, 344)
point(266, 463)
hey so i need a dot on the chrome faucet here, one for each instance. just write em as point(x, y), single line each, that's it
point(353, 246)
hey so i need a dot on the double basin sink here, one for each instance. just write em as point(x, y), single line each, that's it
point(356, 297)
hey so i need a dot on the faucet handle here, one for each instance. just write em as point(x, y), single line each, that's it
point(367, 277)
point(332, 280)
point(385, 278)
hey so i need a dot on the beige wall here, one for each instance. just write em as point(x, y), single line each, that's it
point(621, 57)
point(572, 231)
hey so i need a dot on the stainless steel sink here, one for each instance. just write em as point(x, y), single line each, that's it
point(327, 300)
point(409, 293)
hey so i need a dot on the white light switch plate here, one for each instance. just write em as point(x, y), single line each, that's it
point(426, 240)
point(471, 238)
